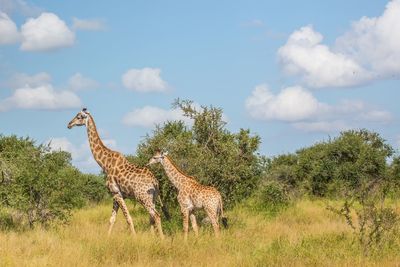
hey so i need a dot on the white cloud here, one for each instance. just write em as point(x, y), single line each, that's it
point(375, 42)
point(317, 64)
point(20, 80)
point(144, 80)
point(370, 50)
point(40, 98)
point(360, 111)
point(63, 144)
point(8, 30)
point(150, 116)
point(88, 24)
point(302, 110)
point(82, 157)
point(19, 6)
point(78, 82)
point(47, 32)
point(291, 104)
point(377, 116)
point(81, 154)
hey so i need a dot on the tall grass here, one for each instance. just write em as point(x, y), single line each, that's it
point(304, 234)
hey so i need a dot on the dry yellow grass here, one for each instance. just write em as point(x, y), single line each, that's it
point(305, 234)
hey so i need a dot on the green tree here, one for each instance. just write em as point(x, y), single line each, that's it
point(346, 162)
point(207, 151)
point(37, 183)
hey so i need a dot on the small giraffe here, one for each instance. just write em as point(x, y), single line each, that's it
point(124, 180)
point(192, 195)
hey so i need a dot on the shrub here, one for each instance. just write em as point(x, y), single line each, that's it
point(326, 168)
point(39, 184)
point(6, 220)
point(374, 223)
point(93, 187)
point(273, 196)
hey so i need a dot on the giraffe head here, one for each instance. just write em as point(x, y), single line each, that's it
point(80, 119)
point(158, 157)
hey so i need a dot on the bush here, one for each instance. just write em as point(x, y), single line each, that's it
point(6, 220)
point(393, 175)
point(40, 185)
point(93, 187)
point(273, 196)
point(207, 151)
point(373, 222)
point(326, 168)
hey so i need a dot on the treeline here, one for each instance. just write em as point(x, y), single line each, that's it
point(335, 168)
point(338, 167)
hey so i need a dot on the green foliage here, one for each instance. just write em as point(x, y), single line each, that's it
point(327, 168)
point(39, 185)
point(93, 187)
point(393, 175)
point(207, 151)
point(283, 168)
point(273, 196)
point(373, 222)
point(6, 220)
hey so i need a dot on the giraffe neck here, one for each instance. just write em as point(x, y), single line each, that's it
point(174, 174)
point(99, 150)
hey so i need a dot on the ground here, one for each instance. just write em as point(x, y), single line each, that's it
point(304, 234)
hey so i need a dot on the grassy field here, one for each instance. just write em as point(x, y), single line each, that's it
point(305, 234)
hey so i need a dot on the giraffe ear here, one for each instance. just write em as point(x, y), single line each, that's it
point(165, 153)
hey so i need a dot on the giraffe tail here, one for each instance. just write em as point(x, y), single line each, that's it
point(223, 218)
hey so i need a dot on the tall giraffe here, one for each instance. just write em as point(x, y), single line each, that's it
point(124, 179)
point(192, 195)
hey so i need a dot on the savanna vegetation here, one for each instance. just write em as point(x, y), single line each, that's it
point(38, 186)
point(333, 203)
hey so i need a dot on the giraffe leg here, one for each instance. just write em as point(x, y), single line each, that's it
point(185, 214)
point(194, 224)
point(158, 224)
point(155, 217)
point(152, 222)
point(215, 224)
point(214, 221)
point(125, 211)
point(113, 216)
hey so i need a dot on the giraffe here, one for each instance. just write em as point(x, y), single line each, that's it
point(192, 195)
point(124, 179)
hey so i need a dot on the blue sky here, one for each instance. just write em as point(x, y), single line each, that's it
point(294, 72)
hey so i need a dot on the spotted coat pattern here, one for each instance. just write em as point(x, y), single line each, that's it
point(124, 179)
point(192, 195)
